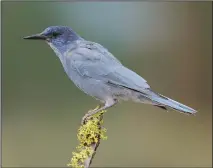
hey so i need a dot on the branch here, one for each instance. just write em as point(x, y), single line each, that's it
point(89, 135)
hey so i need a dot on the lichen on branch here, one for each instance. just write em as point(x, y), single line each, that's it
point(89, 135)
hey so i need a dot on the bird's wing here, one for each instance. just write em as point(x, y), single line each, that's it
point(94, 63)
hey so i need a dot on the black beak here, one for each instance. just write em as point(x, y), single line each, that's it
point(36, 37)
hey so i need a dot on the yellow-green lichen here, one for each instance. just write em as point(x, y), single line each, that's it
point(89, 133)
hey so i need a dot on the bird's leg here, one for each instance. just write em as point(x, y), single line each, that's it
point(108, 104)
point(87, 114)
point(99, 106)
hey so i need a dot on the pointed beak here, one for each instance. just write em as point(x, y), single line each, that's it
point(36, 37)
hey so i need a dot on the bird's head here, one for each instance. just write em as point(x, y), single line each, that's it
point(58, 37)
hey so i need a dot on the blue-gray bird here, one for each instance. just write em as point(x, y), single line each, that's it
point(95, 71)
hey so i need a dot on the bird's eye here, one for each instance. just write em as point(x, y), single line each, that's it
point(55, 34)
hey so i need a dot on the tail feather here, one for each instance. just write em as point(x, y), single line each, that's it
point(161, 106)
point(167, 102)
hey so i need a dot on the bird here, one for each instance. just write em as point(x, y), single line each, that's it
point(95, 71)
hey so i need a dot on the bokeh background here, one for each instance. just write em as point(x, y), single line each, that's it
point(168, 43)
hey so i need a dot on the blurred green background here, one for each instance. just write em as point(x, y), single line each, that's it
point(168, 43)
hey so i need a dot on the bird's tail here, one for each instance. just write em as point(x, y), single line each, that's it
point(164, 102)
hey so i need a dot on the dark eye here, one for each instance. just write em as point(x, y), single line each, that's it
point(55, 34)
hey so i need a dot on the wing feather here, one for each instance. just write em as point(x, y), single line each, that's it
point(101, 65)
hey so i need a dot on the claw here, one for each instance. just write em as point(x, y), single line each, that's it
point(88, 114)
point(83, 120)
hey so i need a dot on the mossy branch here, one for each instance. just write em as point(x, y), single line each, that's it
point(89, 135)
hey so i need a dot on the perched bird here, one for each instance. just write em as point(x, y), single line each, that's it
point(95, 71)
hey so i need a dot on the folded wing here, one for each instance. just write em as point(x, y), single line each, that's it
point(105, 67)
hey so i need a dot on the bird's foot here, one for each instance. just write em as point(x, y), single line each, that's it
point(89, 114)
point(90, 111)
